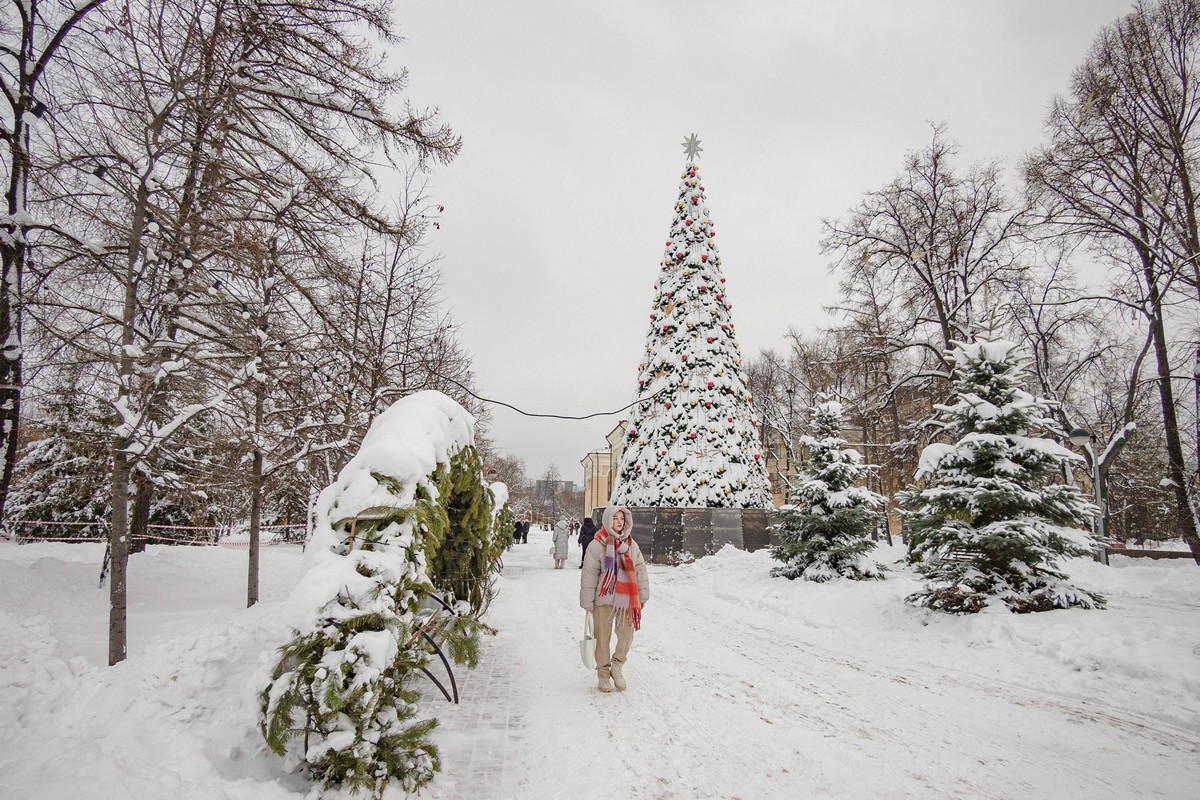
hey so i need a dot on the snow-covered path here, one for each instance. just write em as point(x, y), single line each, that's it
point(731, 697)
point(740, 686)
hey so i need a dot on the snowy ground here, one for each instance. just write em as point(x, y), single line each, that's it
point(741, 686)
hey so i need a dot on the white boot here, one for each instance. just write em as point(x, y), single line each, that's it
point(602, 673)
point(617, 678)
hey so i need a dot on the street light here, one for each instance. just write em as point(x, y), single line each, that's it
point(1083, 439)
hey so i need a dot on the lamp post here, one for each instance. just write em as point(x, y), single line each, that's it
point(1083, 439)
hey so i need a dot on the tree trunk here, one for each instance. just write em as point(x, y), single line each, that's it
point(1175, 462)
point(139, 521)
point(122, 468)
point(119, 548)
point(256, 478)
point(256, 487)
point(13, 254)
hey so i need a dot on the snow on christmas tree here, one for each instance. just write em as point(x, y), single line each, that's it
point(823, 530)
point(387, 534)
point(693, 439)
point(990, 524)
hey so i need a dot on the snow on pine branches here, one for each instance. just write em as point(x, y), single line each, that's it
point(993, 519)
point(823, 531)
point(341, 684)
point(692, 439)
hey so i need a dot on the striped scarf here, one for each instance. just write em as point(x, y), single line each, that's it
point(624, 590)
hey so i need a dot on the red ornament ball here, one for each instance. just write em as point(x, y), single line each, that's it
point(684, 356)
point(710, 341)
point(756, 456)
point(710, 384)
point(692, 435)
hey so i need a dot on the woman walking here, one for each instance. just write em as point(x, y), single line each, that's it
point(587, 532)
point(562, 540)
point(614, 586)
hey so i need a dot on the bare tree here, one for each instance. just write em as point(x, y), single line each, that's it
point(189, 119)
point(944, 245)
point(923, 262)
point(32, 35)
point(1117, 170)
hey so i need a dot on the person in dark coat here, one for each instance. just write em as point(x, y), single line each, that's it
point(516, 531)
point(525, 532)
point(587, 532)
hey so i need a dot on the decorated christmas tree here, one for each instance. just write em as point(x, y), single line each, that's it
point(991, 520)
point(824, 528)
point(692, 439)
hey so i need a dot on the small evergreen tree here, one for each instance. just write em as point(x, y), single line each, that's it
point(342, 684)
point(823, 530)
point(989, 522)
point(693, 438)
point(465, 563)
point(60, 489)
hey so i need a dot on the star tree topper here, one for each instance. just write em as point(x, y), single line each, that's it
point(692, 146)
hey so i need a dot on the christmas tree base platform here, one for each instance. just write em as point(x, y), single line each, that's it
point(680, 535)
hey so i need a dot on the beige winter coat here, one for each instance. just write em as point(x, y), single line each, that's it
point(593, 565)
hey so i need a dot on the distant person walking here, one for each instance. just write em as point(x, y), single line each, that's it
point(587, 532)
point(562, 540)
point(614, 586)
point(525, 532)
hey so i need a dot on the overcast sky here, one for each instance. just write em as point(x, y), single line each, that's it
point(572, 117)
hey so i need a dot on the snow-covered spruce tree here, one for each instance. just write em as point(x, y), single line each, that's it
point(990, 522)
point(823, 531)
point(692, 439)
point(341, 686)
point(464, 564)
point(62, 477)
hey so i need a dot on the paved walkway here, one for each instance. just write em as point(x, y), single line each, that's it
point(732, 699)
point(485, 733)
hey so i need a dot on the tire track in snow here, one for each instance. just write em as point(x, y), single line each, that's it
point(834, 685)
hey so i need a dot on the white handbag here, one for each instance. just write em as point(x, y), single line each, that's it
point(587, 645)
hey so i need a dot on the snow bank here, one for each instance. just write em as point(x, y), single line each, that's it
point(1141, 654)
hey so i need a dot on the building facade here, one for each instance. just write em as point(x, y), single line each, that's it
point(600, 470)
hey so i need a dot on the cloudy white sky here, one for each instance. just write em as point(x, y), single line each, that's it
point(572, 116)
